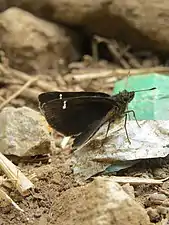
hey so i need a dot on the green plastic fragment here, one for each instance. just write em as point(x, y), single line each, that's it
point(148, 105)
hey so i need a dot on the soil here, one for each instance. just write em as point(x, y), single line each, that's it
point(52, 179)
point(42, 206)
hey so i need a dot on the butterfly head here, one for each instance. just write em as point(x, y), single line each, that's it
point(127, 96)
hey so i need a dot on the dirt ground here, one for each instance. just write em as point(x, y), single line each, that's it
point(42, 206)
point(51, 180)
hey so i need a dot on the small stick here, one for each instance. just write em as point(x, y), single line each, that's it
point(60, 81)
point(28, 93)
point(118, 56)
point(25, 77)
point(114, 51)
point(16, 94)
point(117, 72)
point(163, 191)
point(137, 180)
point(19, 180)
point(95, 54)
point(4, 196)
point(132, 60)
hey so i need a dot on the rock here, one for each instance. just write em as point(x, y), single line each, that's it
point(100, 202)
point(163, 211)
point(159, 173)
point(129, 189)
point(140, 23)
point(35, 45)
point(157, 197)
point(23, 132)
point(154, 215)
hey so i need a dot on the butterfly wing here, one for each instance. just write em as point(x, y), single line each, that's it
point(87, 134)
point(91, 130)
point(73, 115)
point(49, 96)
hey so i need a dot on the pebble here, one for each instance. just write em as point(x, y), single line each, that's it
point(154, 215)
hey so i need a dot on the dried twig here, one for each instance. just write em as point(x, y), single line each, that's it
point(25, 77)
point(117, 72)
point(132, 60)
point(118, 56)
point(21, 182)
point(60, 81)
point(137, 180)
point(4, 196)
point(16, 94)
point(95, 54)
point(28, 93)
point(112, 46)
point(161, 190)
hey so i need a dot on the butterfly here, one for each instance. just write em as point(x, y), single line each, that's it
point(81, 114)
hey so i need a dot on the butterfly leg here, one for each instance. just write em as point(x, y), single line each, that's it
point(108, 127)
point(129, 113)
point(125, 127)
point(134, 115)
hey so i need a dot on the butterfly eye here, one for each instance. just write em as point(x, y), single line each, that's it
point(132, 95)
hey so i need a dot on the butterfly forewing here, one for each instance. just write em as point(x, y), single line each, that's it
point(55, 95)
point(73, 116)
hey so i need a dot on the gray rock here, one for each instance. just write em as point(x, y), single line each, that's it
point(101, 202)
point(41, 44)
point(23, 132)
point(140, 23)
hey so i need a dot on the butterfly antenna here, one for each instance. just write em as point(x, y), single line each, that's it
point(149, 89)
point(126, 80)
point(126, 84)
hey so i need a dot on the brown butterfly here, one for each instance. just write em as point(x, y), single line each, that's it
point(81, 114)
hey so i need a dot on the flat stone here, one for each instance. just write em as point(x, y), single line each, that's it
point(24, 132)
point(100, 202)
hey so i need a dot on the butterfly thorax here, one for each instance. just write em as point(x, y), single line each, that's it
point(122, 99)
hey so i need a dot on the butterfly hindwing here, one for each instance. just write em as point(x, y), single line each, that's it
point(73, 116)
point(91, 130)
point(83, 137)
